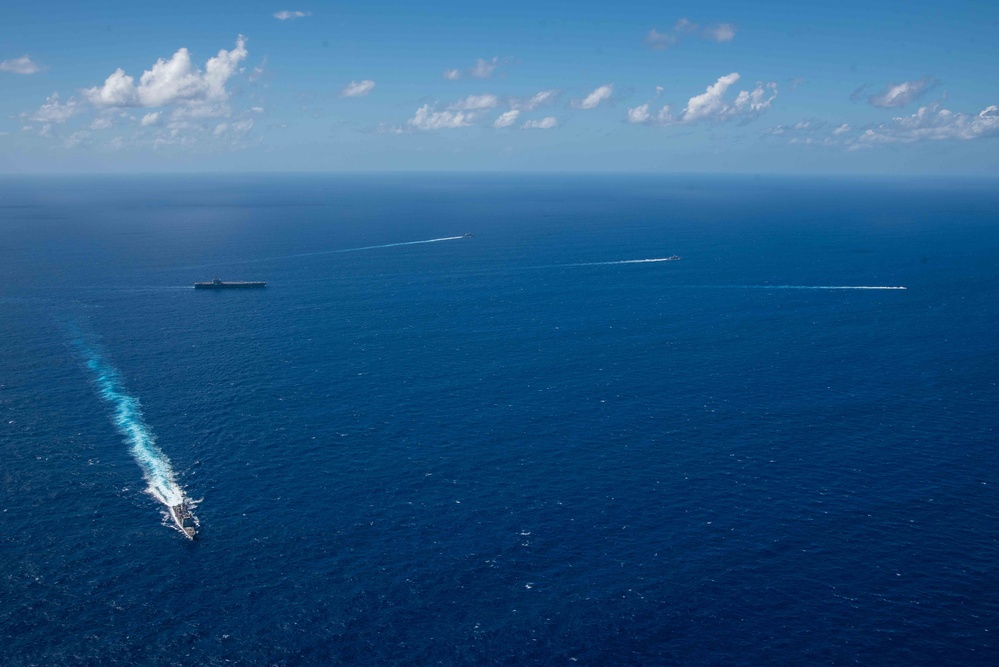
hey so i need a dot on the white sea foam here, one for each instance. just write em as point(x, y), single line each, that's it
point(323, 252)
point(881, 287)
point(674, 258)
point(128, 419)
point(367, 247)
point(392, 245)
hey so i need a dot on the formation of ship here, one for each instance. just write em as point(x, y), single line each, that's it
point(222, 284)
point(182, 516)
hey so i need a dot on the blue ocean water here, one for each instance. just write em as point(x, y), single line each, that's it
point(501, 450)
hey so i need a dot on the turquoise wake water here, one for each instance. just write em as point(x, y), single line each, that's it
point(126, 414)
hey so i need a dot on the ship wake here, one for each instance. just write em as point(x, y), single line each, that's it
point(650, 260)
point(827, 287)
point(372, 247)
point(126, 414)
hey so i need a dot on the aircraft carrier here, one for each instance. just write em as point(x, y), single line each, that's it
point(221, 284)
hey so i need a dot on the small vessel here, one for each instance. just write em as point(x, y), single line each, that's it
point(466, 235)
point(221, 284)
point(182, 516)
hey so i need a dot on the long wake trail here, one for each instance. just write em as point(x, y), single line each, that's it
point(326, 252)
point(834, 287)
point(650, 260)
point(126, 414)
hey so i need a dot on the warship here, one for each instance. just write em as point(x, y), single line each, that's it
point(182, 516)
point(221, 284)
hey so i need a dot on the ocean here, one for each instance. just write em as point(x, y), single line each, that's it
point(525, 447)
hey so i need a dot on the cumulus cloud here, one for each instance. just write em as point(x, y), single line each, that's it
point(594, 99)
point(507, 118)
point(475, 103)
point(102, 123)
point(286, 15)
point(428, 119)
point(901, 94)
point(662, 40)
point(358, 88)
point(806, 127)
point(711, 105)
point(842, 129)
point(541, 99)
point(642, 114)
point(484, 68)
point(171, 82)
point(22, 65)
point(710, 102)
point(718, 32)
point(77, 138)
point(151, 118)
point(932, 123)
point(55, 111)
point(546, 123)
point(234, 130)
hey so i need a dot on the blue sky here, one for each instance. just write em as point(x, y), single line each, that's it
point(771, 87)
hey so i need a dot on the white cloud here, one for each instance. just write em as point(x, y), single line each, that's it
point(719, 32)
point(807, 129)
point(546, 123)
point(22, 65)
point(475, 103)
point(901, 94)
point(662, 40)
point(711, 105)
point(933, 124)
point(358, 88)
point(484, 68)
point(77, 138)
point(151, 118)
point(171, 82)
point(427, 119)
point(642, 115)
point(842, 129)
point(593, 100)
point(286, 15)
point(507, 119)
point(54, 111)
point(102, 123)
point(541, 99)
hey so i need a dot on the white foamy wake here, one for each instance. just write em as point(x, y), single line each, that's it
point(321, 252)
point(368, 247)
point(392, 245)
point(126, 413)
point(674, 258)
point(816, 287)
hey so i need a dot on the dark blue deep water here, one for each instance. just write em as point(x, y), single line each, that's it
point(501, 450)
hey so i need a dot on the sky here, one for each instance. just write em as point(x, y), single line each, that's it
point(872, 87)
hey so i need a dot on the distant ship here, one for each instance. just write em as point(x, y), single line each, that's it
point(466, 235)
point(220, 284)
point(184, 519)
